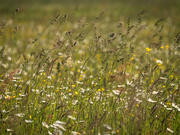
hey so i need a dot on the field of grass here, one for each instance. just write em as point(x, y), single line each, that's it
point(89, 68)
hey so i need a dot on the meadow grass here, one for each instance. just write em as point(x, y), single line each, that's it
point(88, 71)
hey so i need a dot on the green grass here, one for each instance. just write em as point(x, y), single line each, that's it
point(68, 68)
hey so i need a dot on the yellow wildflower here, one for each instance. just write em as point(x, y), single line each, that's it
point(148, 49)
point(76, 92)
point(132, 58)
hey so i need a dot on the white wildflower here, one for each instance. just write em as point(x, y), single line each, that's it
point(107, 126)
point(58, 132)
point(121, 86)
point(8, 130)
point(28, 121)
point(50, 86)
point(175, 106)
point(79, 82)
point(169, 109)
point(60, 122)
point(154, 92)
point(91, 102)
point(170, 130)
point(71, 117)
point(20, 114)
point(116, 92)
point(49, 77)
point(75, 133)
point(28, 82)
point(152, 101)
point(50, 133)
point(60, 54)
point(9, 58)
point(45, 124)
point(59, 126)
point(130, 83)
point(159, 62)
point(138, 100)
point(41, 71)
point(163, 78)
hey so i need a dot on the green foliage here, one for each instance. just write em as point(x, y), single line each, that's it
point(88, 70)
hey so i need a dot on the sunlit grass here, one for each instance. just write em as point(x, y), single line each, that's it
point(84, 75)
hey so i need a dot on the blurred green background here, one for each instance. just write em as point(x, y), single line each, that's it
point(40, 11)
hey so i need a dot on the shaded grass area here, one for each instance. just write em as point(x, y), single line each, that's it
point(43, 10)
